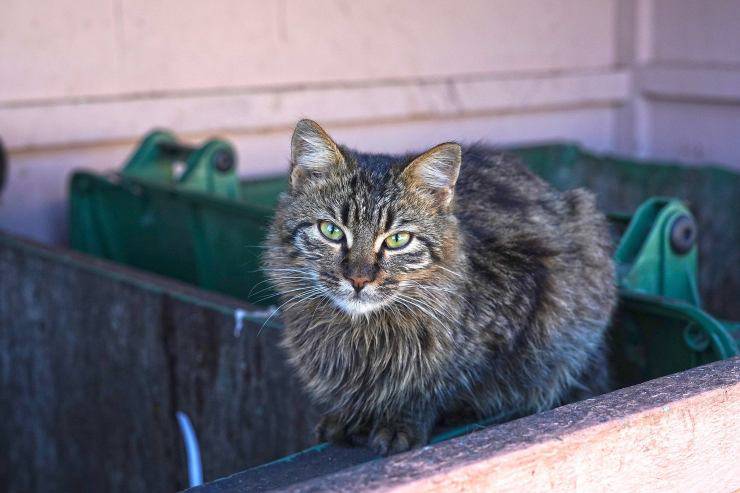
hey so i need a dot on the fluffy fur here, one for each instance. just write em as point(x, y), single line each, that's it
point(497, 306)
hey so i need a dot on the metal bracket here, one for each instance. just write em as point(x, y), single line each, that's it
point(657, 270)
point(162, 159)
point(658, 252)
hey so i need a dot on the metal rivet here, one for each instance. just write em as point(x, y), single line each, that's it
point(223, 161)
point(683, 234)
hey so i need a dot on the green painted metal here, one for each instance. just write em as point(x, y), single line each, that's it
point(654, 336)
point(207, 241)
point(661, 327)
point(161, 159)
point(648, 263)
point(201, 225)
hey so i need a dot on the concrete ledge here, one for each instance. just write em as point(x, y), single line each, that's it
point(676, 433)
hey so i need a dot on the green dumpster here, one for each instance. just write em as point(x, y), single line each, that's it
point(181, 211)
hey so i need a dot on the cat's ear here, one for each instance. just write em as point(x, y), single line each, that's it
point(436, 171)
point(313, 152)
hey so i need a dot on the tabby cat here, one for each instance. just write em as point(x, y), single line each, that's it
point(419, 286)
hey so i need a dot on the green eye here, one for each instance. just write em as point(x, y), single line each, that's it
point(398, 240)
point(331, 231)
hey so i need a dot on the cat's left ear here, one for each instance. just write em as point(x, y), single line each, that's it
point(436, 171)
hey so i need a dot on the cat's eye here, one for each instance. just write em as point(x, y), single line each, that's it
point(398, 240)
point(331, 231)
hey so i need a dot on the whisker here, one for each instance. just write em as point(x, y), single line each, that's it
point(302, 288)
point(450, 271)
point(305, 298)
point(278, 281)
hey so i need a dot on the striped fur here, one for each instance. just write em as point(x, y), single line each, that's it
point(497, 307)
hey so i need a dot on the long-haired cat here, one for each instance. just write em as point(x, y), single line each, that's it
point(417, 286)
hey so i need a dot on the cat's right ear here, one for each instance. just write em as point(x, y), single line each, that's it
point(313, 152)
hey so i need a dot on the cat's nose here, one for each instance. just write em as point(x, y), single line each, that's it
point(359, 282)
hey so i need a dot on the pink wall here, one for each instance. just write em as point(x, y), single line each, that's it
point(80, 81)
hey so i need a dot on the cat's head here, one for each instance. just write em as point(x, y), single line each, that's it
point(365, 231)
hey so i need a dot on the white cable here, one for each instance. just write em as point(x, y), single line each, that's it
point(192, 450)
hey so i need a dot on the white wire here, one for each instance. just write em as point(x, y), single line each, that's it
point(192, 449)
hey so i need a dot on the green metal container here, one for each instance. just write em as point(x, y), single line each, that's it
point(182, 212)
point(177, 211)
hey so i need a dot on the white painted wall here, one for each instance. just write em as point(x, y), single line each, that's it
point(81, 80)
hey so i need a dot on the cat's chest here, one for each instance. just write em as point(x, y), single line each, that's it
point(367, 352)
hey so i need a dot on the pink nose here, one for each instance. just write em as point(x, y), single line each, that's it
point(359, 282)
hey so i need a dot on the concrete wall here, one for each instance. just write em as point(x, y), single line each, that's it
point(690, 81)
point(80, 81)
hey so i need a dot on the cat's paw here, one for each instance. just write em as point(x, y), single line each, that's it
point(333, 428)
point(392, 438)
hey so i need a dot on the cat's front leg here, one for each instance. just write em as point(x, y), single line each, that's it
point(335, 427)
point(394, 434)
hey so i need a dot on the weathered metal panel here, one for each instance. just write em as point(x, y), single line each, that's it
point(95, 359)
